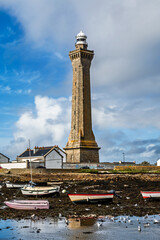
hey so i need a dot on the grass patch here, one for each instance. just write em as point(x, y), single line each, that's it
point(88, 171)
point(140, 170)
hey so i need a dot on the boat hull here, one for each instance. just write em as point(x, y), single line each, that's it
point(27, 204)
point(150, 194)
point(40, 191)
point(91, 198)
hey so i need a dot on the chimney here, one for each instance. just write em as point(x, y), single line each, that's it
point(35, 149)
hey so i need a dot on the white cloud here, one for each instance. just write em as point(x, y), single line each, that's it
point(25, 76)
point(5, 89)
point(28, 91)
point(59, 56)
point(148, 153)
point(48, 124)
point(124, 35)
point(9, 90)
point(113, 113)
point(126, 38)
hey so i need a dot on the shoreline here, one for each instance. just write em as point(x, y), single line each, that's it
point(128, 186)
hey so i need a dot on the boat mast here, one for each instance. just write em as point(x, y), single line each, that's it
point(30, 161)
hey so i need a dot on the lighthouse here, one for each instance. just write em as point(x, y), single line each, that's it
point(81, 146)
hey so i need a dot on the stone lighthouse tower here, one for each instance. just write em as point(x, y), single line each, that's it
point(81, 146)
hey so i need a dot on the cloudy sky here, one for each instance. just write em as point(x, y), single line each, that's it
point(36, 74)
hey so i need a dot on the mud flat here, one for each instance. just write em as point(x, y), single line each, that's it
point(128, 186)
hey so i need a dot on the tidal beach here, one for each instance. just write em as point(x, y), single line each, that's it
point(128, 216)
point(127, 186)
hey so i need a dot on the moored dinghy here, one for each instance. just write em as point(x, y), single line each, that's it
point(32, 190)
point(40, 190)
point(28, 204)
point(14, 185)
point(80, 198)
point(150, 194)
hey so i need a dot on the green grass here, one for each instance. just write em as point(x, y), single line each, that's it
point(134, 171)
point(88, 171)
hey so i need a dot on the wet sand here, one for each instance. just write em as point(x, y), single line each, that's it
point(128, 186)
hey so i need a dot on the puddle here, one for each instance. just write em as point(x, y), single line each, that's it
point(105, 227)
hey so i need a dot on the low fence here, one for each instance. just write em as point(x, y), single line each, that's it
point(13, 165)
point(87, 165)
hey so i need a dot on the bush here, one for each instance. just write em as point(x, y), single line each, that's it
point(145, 163)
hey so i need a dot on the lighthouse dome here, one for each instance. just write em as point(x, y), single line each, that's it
point(81, 34)
point(81, 38)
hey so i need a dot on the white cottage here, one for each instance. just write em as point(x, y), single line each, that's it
point(158, 162)
point(3, 158)
point(48, 157)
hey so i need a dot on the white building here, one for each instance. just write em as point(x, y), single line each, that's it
point(48, 157)
point(3, 158)
point(158, 162)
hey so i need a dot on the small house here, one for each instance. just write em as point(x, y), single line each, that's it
point(47, 157)
point(3, 158)
point(158, 162)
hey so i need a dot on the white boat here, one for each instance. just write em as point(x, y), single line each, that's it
point(78, 198)
point(28, 204)
point(40, 190)
point(14, 185)
point(32, 190)
point(150, 194)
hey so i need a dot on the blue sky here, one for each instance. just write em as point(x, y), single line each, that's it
point(36, 74)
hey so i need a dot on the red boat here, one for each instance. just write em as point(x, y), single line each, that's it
point(78, 198)
point(150, 194)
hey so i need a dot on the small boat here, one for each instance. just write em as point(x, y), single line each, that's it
point(40, 190)
point(28, 204)
point(14, 185)
point(32, 190)
point(80, 198)
point(150, 194)
point(54, 183)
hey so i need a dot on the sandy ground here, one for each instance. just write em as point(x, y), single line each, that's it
point(128, 186)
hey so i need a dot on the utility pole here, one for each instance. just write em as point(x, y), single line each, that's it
point(123, 157)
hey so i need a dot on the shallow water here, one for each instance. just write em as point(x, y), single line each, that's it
point(122, 227)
